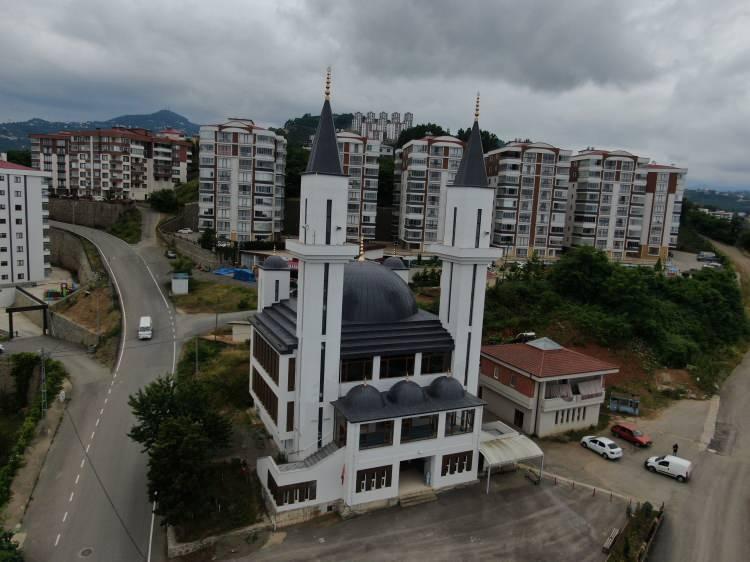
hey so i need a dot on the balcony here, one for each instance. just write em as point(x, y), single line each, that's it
point(592, 397)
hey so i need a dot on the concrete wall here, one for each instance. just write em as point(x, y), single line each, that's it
point(191, 250)
point(65, 329)
point(36, 316)
point(66, 251)
point(96, 214)
point(186, 218)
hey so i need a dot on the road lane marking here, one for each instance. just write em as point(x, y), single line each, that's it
point(97, 422)
point(151, 532)
point(92, 435)
point(57, 540)
point(106, 400)
point(169, 310)
point(174, 354)
point(65, 516)
point(70, 499)
point(101, 411)
point(109, 391)
point(166, 303)
point(78, 477)
point(88, 447)
point(83, 462)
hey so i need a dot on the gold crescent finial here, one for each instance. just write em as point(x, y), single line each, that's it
point(361, 249)
point(328, 83)
point(476, 109)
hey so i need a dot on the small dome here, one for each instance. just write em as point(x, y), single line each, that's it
point(373, 293)
point(446, 388)
point(275, 262)
point(364, 397)
point(394, 263)
point(406, 393)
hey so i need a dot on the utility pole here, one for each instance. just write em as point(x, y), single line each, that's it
point(44, 383)
point(196, 355)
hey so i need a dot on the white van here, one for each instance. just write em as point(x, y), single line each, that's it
point(671, 466)
point(145, 330)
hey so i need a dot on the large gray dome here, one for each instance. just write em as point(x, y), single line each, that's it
point(373, 293)
point(275, 262)
point(394, 263)
point(364, 397)
point(446, 388)
point(406, 393)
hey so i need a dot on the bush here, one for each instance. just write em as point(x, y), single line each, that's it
point(128, 226)
point(163, 201)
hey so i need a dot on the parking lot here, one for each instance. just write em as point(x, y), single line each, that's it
point(683, 423)
point(516, 521)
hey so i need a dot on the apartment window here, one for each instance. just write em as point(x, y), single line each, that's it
point(265, 395)
point(19, 249)
point(19, 235)
point(356, 369)
point(375, 434)
point(17, 179)
point(418, 428)
point(20, 276)
point(290, 416)
point(4, 277)
point(266, 356)
point(292, 493)
point(456, 463)
point(20, 263)
point(513, 380)
point(291, 374)
point(399, 366)
point(374, 478)
point(459, 422)
point(435, 363)
point(19, 221)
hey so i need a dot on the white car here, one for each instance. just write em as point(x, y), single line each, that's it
point(671, 466)
point(603, 446)
point(185, 231)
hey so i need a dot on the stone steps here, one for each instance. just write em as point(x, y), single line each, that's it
point(415, 498)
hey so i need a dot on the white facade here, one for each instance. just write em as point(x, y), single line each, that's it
point(359, 158)
point(353, 434)
point(242, 180)
point(423, 170)
point(24, 233)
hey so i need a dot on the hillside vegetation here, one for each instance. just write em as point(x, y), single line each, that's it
point(697, 322)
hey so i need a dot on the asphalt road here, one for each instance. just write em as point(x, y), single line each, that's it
point(91, 501)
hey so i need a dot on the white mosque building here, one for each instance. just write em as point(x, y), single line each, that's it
point(366, 396)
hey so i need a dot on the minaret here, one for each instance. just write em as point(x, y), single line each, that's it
point(466, 253)
point(322, 252)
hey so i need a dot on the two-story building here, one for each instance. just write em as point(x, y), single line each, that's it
point(541, 387)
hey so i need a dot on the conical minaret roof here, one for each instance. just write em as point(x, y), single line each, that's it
point(471, 171)
point(324, 155)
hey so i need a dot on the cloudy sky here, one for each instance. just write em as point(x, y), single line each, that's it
point(665, 79)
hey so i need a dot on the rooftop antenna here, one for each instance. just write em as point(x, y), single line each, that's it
point(328, 83)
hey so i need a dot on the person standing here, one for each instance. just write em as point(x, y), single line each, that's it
point(675, 448)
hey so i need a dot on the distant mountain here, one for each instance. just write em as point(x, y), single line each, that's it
point(14, 136)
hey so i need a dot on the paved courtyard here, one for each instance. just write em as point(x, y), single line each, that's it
point(516, 521)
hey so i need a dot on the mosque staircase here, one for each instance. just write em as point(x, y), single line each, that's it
point(417, 497)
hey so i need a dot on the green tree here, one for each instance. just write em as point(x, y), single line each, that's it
point(207, 239)
point(9, 550)
point(489, 139)
point(182, 264)
point(581, 272)
point(186, 192)
point(164, 201)
point(419, 131)
point(21, 157)
point(296, 162)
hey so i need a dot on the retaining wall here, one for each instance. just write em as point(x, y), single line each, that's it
point(96, 214)
point(66, 251)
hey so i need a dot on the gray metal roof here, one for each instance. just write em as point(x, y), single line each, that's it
point(324, 155)
point(278, 324)
point(394, 263)
point(360, 411)
point(274, 262)
point(471, 171)
point(373, 293)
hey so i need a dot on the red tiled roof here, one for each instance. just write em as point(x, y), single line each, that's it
point(546, 363)
point(11, 166)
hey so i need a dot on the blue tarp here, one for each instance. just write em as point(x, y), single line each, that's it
point(236, 273)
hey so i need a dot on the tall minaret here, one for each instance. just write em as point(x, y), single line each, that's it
point(466, 253)
point(322, 252)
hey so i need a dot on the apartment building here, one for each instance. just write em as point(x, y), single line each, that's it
point(116, 163)
point(359, 159)
point(531, 197)
point(620, 203)
point(423, 169)
point(382, 127)
point(242, 169)
point(24, 232)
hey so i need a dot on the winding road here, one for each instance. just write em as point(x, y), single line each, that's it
point(91, 502)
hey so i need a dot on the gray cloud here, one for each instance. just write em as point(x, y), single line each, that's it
point(663, 78)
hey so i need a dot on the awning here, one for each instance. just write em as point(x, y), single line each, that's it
point(501, 445)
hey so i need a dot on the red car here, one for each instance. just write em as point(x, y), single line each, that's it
point(629, 432)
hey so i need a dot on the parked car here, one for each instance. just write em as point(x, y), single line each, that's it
point(2, 349)
point(171, 254)
point(671, 466)
point(524, 337)
point(705, 256)
point(604, 446)
point(185, 231)
point(631, 433)
point(712, 265)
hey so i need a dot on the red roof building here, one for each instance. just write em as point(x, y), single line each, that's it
point(541, 387)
